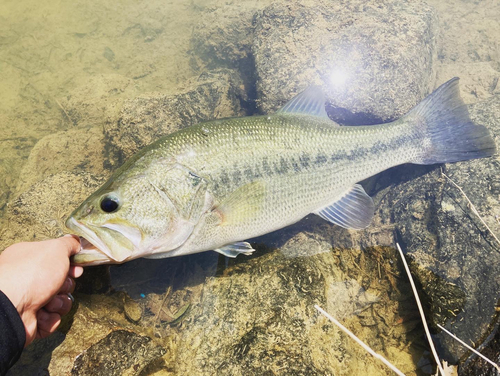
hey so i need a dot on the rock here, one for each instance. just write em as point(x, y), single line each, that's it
point(94, 339)
point(469, 32)
point(478, 81)
point(40, 212)
point(96, 99)
point(146, 118)
point(477, 366)
point(70, 150)
point(374, 60)
point(224, 35)
point(132, 309)
point(120, 353)
point(257, 317)
point(16, 143)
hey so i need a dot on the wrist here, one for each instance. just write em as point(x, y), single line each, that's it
point(14, 296)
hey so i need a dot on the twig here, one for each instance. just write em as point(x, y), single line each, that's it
point(162, 304)
point(62, 108)
point(361, 343)
point(470, 348)
point(420, 309)
point(474, 210)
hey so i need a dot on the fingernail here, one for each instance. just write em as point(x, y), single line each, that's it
point(68, 284)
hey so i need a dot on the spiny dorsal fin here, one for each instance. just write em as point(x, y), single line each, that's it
point(310, 102)
point(353, 211)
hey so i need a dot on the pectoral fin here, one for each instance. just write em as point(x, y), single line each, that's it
point(233, 250)
point(353, 211)
point(243, 204)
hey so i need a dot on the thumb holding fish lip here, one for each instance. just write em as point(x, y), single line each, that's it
point(75, 271)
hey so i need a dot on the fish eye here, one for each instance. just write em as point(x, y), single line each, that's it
point(109, 204)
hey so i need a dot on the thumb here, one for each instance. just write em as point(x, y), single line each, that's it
point(71, 243)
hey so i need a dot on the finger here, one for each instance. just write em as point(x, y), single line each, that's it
point(60, 304)
point(72, 243)
point(68, 286)
point(47, 323)
point(75, 271)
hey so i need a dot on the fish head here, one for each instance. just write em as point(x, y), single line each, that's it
point(135, 216)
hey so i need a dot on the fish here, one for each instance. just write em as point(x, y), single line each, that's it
point(216, 184)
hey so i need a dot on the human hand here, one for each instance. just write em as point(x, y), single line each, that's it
point(37, 278)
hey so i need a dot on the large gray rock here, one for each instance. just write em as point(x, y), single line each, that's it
point(120, 353)
point(375, 60)
point(146, 118)
point(224, 34)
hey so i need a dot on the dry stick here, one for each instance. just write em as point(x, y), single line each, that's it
point(361, 343)
point(470, 348)
point(474, 210)
point(419, 305)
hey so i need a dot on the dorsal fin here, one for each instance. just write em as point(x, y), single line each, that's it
point(310, 102)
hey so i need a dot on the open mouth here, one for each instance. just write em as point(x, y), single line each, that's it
point(93, 251)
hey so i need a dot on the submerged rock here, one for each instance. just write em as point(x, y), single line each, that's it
point(121, 352)
point(40, 212)
point(257, 316)
point(224, 35)
point(375, 60)
point(71, 150)
point(96, 99)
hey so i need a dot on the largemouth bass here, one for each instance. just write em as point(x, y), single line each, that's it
point(217, 183)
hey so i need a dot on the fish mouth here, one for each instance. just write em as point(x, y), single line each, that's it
point(93, 251)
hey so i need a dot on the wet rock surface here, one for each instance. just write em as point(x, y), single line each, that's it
point(93, 101)
point(225, 33)
point(71, 150)
point(131, 354)
point(352, 49)
point(256, 315)
point(40, 212)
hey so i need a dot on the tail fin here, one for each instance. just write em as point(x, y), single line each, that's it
point(445, 120)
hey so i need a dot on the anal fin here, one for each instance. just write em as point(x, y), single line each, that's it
point(354, 210)
point(234, 249)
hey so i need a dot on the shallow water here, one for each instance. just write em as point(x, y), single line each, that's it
point(69, 69)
